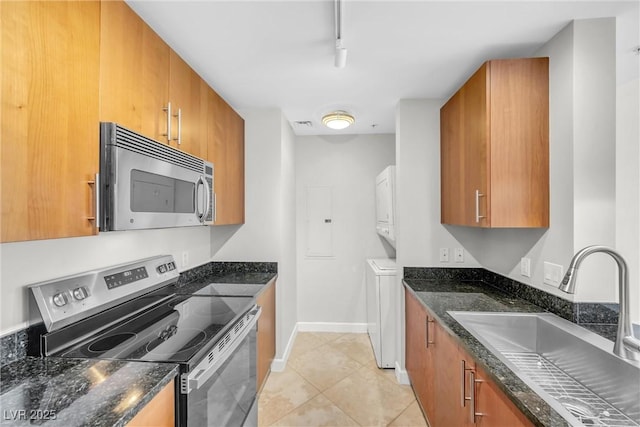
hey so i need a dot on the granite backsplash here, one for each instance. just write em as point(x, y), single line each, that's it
point(13, 347)
point(603, 315)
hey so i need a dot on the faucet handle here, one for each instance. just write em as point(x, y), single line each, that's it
point(631, 343)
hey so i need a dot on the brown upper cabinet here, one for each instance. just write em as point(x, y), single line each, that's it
point(49, 118)
point(147, 87)
point(134, 72)
point(494, 147)
point(66, 66)
point(225, 136)
point(188, 108)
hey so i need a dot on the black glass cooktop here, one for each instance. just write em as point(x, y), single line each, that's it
point(174, 331)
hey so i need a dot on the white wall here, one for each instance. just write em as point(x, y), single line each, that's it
point(259, 238)
point(287, 308)
point(269, 230)
point(628, 185)
point(24, 263)
point(331, 290)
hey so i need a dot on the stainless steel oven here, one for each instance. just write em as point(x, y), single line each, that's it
point(211, 338)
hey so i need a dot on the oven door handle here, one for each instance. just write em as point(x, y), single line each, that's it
point(205, 369)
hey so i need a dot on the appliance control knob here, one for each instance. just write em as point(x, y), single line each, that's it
point(60, 299)
point(80, 293)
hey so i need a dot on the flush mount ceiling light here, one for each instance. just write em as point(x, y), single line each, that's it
point(338, 120)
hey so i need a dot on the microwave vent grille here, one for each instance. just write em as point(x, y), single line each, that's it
point(139, 144)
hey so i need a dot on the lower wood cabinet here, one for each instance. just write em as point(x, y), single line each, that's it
point(159, 412)
point(450, 388)
point(266, 335)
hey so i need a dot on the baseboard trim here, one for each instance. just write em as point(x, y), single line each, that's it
point(401, 375)
point(357, 328)
point(278, 365)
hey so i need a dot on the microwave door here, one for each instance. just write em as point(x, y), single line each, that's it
point(151, 193)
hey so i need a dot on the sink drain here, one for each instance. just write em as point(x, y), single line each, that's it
point(581, 410)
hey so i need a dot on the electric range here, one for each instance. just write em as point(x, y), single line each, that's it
point(130, 312)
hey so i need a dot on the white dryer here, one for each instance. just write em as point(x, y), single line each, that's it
point(381, 316)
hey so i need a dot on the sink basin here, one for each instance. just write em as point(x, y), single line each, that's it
point(230, 289)
point(572, 369)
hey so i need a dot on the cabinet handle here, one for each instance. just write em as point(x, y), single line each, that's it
point(472, 385)
point(427, 340)
point(478, 195)
point(463, 377)
point(168, 110)
point(179, 117)
point(96, 200)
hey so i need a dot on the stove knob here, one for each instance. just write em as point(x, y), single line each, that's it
point(80, 293)
point(60, 299)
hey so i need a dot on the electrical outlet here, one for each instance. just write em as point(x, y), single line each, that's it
point(185, 258)
point(552, 274)
point(444, 254)
point(525, 267)
point(459, 254)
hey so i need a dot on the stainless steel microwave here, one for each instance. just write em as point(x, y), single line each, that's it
point(147, 184)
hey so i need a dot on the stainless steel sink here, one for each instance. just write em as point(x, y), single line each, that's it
point(235, 289)
point(572, 369)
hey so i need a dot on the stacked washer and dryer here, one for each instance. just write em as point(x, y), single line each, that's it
point(381, 286)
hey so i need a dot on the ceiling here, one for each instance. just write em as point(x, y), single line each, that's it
point(263, 54)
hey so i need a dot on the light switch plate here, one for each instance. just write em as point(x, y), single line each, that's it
point(444, 254)
point(459, 254)
point(553, 274)
point(525, 267)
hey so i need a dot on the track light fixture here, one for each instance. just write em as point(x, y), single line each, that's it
point(341, 51)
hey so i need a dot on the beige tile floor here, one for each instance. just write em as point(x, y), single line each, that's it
point(331, 379)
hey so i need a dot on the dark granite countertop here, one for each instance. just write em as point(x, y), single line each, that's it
point(78, 392)
point(246, 279)
point(440, 296)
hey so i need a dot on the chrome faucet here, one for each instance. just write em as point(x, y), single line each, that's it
point(626, 345)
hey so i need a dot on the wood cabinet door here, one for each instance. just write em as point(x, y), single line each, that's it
point(266, 333)
point(418, 360)
point(519, 142)
point(188, 132)
point(453, 204)
point(226, 151)
point(49, 118)
point(475, 149)
point(450, 407)
point(495, 147)
point(159, 412)
point(134, 72)
point(495, 408)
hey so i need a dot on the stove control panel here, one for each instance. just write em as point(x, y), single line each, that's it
point(66, 300)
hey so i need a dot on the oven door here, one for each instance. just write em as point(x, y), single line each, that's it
point(221, 390)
